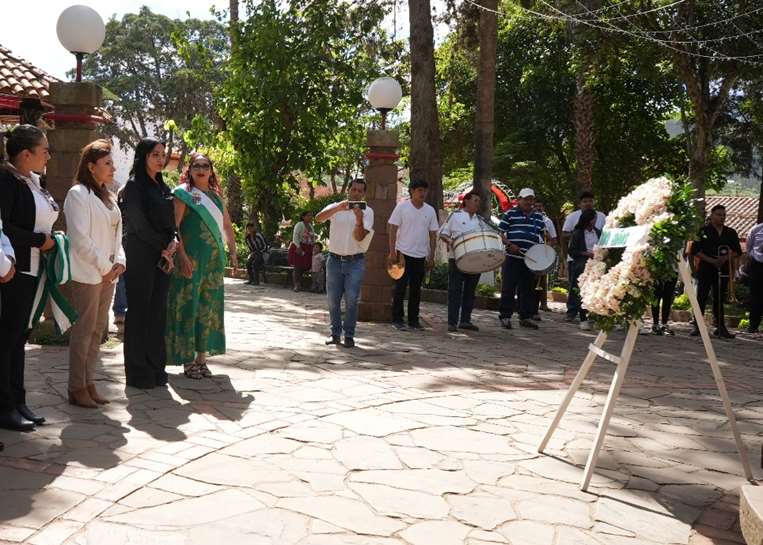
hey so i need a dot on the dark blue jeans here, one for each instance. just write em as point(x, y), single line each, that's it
point(461, 288)
point(343, 279)
point(516, 277)
point(415, 270)
point(574, 304)
point(120, 298)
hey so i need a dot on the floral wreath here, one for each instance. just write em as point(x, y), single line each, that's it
point(617, 284)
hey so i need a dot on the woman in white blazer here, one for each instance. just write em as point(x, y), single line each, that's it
point(94, 226)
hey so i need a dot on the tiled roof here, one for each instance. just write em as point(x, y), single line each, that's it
point(21, 78)
point(741, 212)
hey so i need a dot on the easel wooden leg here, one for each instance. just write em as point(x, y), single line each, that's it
point(691, 293)
point(579, 378)
point(614, 392)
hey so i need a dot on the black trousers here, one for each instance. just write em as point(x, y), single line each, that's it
point(16, 306)
point(516, 277)
point(708, 282)
point(756, 295)
point(253, 267)
point(664, 292)
point(415, 270)
point(461, 288)
point(144, 344)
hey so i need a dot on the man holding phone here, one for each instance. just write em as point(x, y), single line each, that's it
point(352, 223)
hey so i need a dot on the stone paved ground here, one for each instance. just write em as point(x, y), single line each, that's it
point(418, 439)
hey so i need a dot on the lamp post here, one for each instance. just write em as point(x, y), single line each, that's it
point(384, 94)
point(380, 174)
point(81, 31)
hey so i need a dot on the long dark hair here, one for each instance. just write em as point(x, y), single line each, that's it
point(91, 153)
point(585, 218)
point(138, 170)
point(186, 177)
point(22, 137)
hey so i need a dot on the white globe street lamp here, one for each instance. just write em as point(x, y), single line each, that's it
point(81, 31)
point(384, 94)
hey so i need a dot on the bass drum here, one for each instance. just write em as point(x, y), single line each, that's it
point(479, 252)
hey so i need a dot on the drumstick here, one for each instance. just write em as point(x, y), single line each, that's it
point(524, 254)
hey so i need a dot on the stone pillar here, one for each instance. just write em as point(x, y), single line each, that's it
point(381, 193)
point(74, 103)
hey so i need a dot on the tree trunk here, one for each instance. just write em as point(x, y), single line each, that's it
point(585, 140)
point(760, 200)
point(485, 117)
point(235, 200)
point(334, 188)
point(425, 159)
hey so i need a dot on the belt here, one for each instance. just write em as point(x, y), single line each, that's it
point(347, 257)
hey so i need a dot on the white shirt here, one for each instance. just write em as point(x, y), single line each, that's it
point(755, 243)
point(413, 228)
point(550, 227)
point(45, 216)
point(95, 232)
point(574, 217)
point(460, 222)
point(342, 224)
point(7, 255)
point(591, 238)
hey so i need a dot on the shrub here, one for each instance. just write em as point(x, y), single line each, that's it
point(486, 290)
point(559, 289)
point(438, 278)
point(681, 302)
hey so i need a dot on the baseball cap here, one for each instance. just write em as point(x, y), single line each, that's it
point(526, 192)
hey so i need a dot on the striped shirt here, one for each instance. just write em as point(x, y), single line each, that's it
point(522, 229)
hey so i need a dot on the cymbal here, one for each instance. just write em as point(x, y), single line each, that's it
point(396, 270)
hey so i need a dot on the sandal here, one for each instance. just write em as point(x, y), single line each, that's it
point(193, 371)
point(204, 370)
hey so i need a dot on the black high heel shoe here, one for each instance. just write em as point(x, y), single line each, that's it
point(27, 413)
point(12, 420)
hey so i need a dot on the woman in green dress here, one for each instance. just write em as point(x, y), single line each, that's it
point(195, 315)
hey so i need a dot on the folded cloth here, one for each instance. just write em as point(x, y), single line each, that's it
point(55, 270)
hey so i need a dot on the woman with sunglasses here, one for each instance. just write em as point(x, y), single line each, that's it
point(150, 245)
point(195, 308)
point(28, 213)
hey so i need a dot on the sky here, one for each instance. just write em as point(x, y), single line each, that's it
point(46, 52)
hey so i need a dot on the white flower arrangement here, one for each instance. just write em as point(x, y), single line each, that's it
point(616, 286)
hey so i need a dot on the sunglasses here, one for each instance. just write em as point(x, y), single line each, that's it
point(201, 166)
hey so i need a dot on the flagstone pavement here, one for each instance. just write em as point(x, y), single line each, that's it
point(411, 438)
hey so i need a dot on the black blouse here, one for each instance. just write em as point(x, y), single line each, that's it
point(149, 213)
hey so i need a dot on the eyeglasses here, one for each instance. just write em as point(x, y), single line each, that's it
point(201, 166)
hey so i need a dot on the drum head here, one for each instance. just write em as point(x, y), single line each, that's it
point(481, 261)
point(540, 258)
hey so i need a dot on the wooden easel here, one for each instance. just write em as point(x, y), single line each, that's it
point(622, 361)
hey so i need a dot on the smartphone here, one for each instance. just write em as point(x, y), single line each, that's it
point(356, 204)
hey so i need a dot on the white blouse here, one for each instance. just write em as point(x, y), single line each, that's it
point(95, 232)
point(46, 214)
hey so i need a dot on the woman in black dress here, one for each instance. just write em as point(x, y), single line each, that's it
point(28, 213)
point(148, 208)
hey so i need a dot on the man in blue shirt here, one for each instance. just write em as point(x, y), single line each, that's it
point(522, 227)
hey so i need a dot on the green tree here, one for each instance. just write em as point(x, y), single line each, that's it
point(142, 64)
point(295, 80)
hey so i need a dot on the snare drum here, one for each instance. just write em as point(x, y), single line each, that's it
point(479, 252)
point(540, 258)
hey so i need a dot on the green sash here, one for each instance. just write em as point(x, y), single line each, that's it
point(210, 213)
point(55, 270)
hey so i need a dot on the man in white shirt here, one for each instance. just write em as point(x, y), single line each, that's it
point(350, 232)
point(461, 285)
point(586, 202)
point(413, 230)
point(551, 236)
